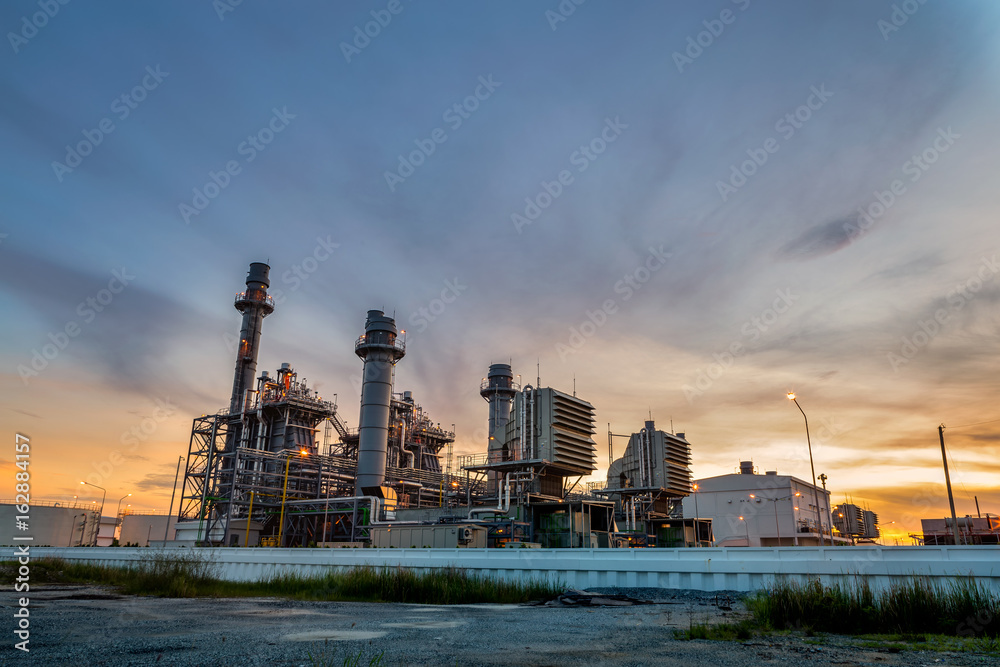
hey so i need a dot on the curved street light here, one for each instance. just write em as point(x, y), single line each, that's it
point(777, 528)
point(101, 513)
point(812, 471)
point(118, 511)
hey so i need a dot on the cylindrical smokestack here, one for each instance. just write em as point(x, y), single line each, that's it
point(498, 388)
point(255, 305)
point(746, 467)
point(380, 350)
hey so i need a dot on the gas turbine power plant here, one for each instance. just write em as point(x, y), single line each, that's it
point(281, 466)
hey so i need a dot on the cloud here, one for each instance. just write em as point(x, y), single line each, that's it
point(819, 240)
point(126, 342)
point(156, 482)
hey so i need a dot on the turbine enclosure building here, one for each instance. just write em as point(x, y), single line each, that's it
point(547, 438)
point(652, 476)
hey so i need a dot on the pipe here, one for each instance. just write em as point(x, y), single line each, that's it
point(639, 446)
point(649, 455)
point(531, 429)
point(503, 507)
point(524, 400)
point(380, 350)
point(255, 305)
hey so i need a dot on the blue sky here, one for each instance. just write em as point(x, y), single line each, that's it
point(790, 227)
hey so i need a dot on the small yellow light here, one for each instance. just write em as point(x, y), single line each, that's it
point(752, 495)
point(791, 395)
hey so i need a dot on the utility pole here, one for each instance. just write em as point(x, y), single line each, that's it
point(829, 510)
point(947, 481)
point(170, 511)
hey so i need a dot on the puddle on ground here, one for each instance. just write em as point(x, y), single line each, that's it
point(487, 606)
point(282, 612)
point(335, 635)
point(425, 625)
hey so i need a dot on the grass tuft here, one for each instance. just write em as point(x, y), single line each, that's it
point(909, 608)
point(739, 631)
point(190, 576)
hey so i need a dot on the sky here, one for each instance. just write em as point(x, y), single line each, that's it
point(686, 209)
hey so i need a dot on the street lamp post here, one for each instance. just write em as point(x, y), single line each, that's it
point(101, 511)
point(746, 530)
point(284, 496)
point(118, 512)
point(697, 535)
point(777, 526)
point(812, 471)
point(72, 530)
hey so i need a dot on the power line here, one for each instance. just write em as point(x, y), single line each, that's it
point(992, 421)
point(960, 481)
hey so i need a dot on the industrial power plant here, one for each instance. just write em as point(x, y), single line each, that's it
point(282, 467)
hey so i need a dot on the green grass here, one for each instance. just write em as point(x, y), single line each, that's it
point(190, 576)
point(911, 615)
point(908, 608)
point(739, 631)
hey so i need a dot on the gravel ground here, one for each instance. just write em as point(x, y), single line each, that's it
point(81, 625)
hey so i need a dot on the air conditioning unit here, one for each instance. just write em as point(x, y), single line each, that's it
point(464, 534)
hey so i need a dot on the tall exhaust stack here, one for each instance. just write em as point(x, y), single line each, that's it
point(255, 305)
point(380, 350)
point(498, 389)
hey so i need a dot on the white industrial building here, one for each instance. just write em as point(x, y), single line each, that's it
point(55, 524)
point(748, 509)
point(141, 528)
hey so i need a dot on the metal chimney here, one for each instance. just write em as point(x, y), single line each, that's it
point(498, 388)
point(380, 350)
point(746, 467)
point(255, 305)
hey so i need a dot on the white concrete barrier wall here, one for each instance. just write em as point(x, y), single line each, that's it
point(711, 569)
